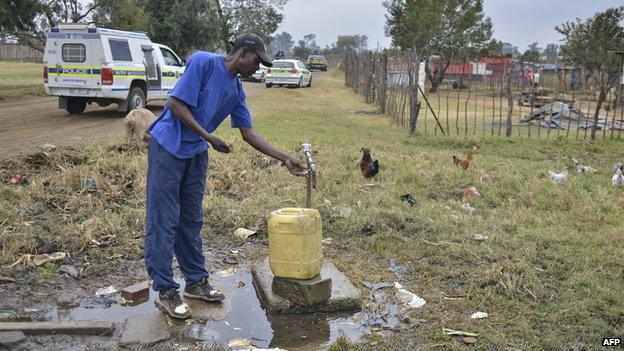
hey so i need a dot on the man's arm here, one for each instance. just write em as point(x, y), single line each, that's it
point(259, 143)
point(182, 112)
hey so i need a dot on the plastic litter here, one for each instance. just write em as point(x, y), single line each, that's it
point(345, 212)
point(480, 237)
point(408, 298)
point(471, 191)
point(240, 343)
point(15, 179)
point(243, 233)
point(109, 290)
point(466, 207)
point(327, 241)
point(459, 333)
point(479, 315)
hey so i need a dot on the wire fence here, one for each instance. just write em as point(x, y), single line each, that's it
point(493, 97)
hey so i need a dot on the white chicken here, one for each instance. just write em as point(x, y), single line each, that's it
point(558, 178)
point(618, 178)
point(619, 165)
point(582, 169)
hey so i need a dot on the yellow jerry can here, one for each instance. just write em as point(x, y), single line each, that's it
point(295, 249)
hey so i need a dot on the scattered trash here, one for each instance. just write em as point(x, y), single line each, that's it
point(558, 178)
point(582, 169)
point(618, 178)
point(408, 298)
point(243, 233)
point(237, 328)
point(15, 179)
point(227, 272)
point(241, 283)
point(47, 147)
point(409, 199)
point(240, 343)
point(562, 115)
point(38, 260)
point(469, 340)
point(7, 314)
point(70, 270)
point(466, 207)
point(459, 332)
point(327, 241)
point(471, 192)
point(479, 315)
point(345, 212)
point(109, 290)
point(376, 286)
point(90, 184)
point(480, 237)
point(396, 268)
point(4, 279)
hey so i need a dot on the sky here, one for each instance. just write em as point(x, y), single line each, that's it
point(517, 22)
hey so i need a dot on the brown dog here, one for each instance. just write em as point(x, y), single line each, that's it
point(136, 123)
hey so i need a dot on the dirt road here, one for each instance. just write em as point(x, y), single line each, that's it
point(24, 124)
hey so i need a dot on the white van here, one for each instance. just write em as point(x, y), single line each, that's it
point(84, 64)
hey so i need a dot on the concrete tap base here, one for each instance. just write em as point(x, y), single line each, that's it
point(309, 296)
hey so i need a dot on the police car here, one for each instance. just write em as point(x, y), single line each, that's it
point(288, 72)
point(260, 73)
point(316, 61)
point(84, 65)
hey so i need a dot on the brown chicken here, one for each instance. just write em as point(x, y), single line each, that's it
point(465, 164)
point(368, 167)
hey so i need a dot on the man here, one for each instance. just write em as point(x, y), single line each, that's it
point(207, 93)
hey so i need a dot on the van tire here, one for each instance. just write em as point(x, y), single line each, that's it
point(309, 83)
point(76, 106)
point(136, 99)
point(269, 85)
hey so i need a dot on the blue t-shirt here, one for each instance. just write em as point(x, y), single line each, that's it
point(211, 93)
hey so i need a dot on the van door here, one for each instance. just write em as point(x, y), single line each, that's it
point(72, 70)
point(153, 72)
point(173, 69)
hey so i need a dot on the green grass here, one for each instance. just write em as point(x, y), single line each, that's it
point(20, 79)
point(550, 276)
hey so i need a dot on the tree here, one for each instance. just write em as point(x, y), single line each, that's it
point(306, 46)
point(29, 20)
point(591, 45)
point(281, 42)
point(120, 14)
point(184, 25)
point(237, 17)
point(531, 56)
point(551, 53)
point(446, 28)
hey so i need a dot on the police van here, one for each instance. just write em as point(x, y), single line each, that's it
point(84, 65)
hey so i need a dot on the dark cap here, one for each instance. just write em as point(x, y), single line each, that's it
point(255, 43)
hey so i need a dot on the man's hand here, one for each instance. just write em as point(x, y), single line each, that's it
point(295, 167)
point(218, 144)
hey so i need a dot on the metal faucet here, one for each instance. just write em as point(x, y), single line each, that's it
point(307, 151)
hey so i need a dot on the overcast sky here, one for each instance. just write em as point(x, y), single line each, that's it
point(518, 22)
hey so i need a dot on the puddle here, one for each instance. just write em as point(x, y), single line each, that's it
point(240, 316)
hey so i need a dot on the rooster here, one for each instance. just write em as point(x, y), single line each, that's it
point(618, 178)
point(582, 169)
point(368, 167)
point(465, 164)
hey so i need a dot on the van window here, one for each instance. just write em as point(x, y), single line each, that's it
point(120, 50)
point(170, 59)
point(283, 64)
point(74, 52)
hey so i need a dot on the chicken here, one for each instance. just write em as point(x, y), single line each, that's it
point(582, 169)
point(619, 165)
point(465, 164)
point(618, 178)
point(558, 178)
point(368, 167)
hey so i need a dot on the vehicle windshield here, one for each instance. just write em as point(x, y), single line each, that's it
point(283, 64)
point(317, 57)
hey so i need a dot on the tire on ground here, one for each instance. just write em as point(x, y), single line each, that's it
point(76, 106)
